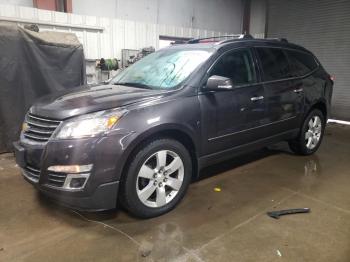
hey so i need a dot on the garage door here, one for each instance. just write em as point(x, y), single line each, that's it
point(323, 27)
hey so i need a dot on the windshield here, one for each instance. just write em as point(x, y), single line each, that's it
point(164, 69)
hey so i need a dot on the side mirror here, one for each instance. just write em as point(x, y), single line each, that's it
point(218, 83)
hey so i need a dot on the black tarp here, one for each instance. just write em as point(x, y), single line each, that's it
point(33, 65)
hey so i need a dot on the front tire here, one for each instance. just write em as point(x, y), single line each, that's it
point(311, 134)
point(157, 178)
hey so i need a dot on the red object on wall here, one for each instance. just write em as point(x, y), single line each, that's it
point(54, 5)
point(68, 6)
point(45, 4)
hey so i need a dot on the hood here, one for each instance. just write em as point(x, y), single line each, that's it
point(85, 100)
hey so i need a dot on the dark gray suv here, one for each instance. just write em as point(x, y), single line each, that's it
point(142, 137)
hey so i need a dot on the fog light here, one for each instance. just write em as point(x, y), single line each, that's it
point(70, 169)
point(75, 181)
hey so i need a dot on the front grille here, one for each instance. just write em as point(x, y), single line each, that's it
point(31, 173)
point(39, 129)
point(56, 179)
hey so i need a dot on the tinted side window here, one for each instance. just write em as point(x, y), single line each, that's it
point(237, 65)
point(274, 63)
point(300, 63)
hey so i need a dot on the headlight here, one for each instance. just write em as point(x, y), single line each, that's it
point(89, 125)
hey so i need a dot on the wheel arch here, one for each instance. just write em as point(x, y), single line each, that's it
point(167, 131)
point(320, 105)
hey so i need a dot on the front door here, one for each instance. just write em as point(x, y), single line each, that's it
point(232, 117)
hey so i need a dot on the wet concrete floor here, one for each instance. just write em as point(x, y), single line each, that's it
point(230, 225)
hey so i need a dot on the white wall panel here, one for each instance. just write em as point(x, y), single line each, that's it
point(44, 15)
point(28, 3)
point(91, 45)
point(130, 35)
point(100, 36)
point(106, 38)
point(91, 20)
point(183, 13)
point(152, 36)
point(80, 34)
point(61, 17)
point(76, 19)
point(8, 10)
point(217, 15)
point(118, 36)
point(27, 12)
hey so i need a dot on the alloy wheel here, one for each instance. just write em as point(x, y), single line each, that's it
point(313, 134)
point(160, 178)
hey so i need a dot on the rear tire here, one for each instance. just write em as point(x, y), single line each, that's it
point(311, 134)
point(157, 178)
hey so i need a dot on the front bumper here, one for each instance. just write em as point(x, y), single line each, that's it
point(104, 198)
point(101, 189)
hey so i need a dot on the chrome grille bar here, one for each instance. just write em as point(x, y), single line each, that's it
point(31, 173)
point(39, 129)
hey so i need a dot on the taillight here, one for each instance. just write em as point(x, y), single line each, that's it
point(332, 78)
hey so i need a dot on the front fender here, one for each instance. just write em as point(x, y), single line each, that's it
point(171, 117)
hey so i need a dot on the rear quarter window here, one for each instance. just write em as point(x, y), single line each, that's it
point(274, 63)
point(301, 63)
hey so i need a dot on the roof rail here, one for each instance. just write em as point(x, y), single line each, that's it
point(278, 39)
point(217, 38)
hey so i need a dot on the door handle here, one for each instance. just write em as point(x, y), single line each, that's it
point(256, 98)
point(299, 90)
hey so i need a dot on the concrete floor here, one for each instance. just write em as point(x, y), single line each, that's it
point(230, 225)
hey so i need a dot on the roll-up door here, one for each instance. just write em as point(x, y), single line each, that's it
point(323, 27)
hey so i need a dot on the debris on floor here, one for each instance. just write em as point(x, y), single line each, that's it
point(146, 253)
point(146, 248)
point(279, 253)
point(217, 189)
point(276, 214)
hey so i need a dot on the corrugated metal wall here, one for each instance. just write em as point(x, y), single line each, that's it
point(186, 13)
point(101, 37)
point(257, 18)
point(323, 27)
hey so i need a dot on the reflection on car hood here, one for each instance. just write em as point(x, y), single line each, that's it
point(84, 100)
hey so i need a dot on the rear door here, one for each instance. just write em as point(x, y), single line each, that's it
point(306, 84)
point(284, 93)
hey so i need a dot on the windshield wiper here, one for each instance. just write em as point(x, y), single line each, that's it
point(134, 84)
